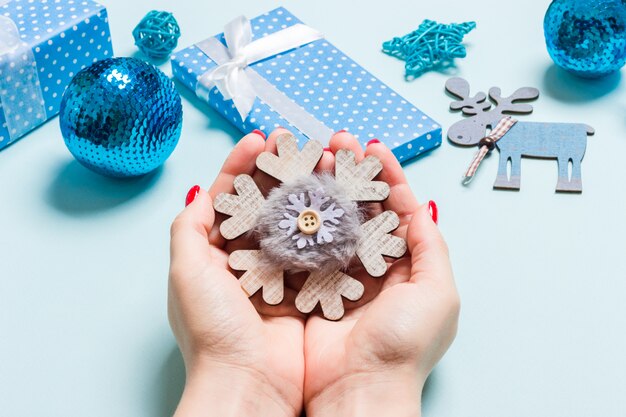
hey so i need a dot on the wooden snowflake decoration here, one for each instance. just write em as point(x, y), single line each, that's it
point(314, 226)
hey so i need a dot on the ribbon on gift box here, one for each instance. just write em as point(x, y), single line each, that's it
point(21, 98)
point(234, 78)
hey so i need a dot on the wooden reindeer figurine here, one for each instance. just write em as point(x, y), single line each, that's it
point(565, 142)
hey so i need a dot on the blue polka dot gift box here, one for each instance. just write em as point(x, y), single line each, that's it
point(43, 44)
point(275, 71)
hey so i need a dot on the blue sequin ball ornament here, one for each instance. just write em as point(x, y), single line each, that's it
point(587, 37)
point(157, 34)
point(121, 117)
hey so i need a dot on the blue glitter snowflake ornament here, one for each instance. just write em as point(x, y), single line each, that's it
point(121, 117)
point(432, 46)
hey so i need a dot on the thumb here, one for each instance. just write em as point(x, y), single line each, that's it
point(430, 259)
point(189, 233)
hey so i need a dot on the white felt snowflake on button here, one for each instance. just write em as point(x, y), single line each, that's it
point(311, 222)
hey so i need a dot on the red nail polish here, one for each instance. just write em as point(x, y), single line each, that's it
point(434, 211)
point(191, 194)
point(373, 141)
point(260, 133)
point(327, 150)
point(340, 131)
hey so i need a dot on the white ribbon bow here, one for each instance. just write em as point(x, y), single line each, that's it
point(230, 77)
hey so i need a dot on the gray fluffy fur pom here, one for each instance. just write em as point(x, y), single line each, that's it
point(308, 252)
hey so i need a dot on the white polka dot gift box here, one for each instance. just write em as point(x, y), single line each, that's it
point(43, 44)
point(275, 71)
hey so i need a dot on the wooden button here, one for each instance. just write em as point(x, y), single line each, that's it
point(309, 222)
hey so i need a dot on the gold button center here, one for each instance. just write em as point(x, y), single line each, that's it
point(309, 222)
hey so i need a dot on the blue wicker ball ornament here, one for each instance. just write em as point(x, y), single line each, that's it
point(121, 117)
point(587, 37)
point(157, 34)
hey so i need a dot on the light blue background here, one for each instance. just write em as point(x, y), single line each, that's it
point(83, 259)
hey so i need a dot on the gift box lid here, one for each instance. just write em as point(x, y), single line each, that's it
point(327, 84)
point(41, 20)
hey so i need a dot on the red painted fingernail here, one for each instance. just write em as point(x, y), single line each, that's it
point(340, 131)
point(373, 141)
point(191, 194)
point(327, 150)
point(434, 211)
point(260, 133)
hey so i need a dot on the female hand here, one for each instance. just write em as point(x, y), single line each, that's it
point(241, 358)
point(376, 359)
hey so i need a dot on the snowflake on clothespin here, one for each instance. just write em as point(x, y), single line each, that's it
point(431, 46)
point(311, 222)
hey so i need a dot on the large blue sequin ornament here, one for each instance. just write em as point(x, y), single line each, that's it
point(121, 117)
point(586, 37)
